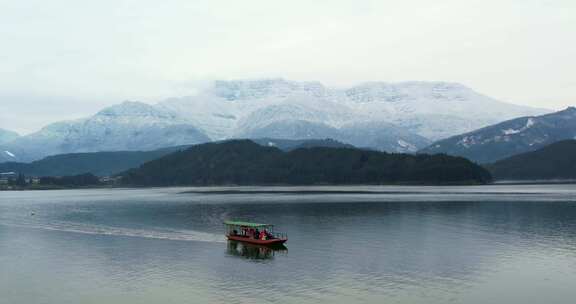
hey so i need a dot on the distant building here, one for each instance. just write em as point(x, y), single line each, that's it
point(110, 179)
point(32, 180)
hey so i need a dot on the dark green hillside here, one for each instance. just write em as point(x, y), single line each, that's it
point(556, 161)
point(243, 162)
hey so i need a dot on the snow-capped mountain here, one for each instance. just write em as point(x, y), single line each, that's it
point(229, 107)
point(511, 137)
point(125, 127)
point(282, 109)
point(433, 110)
point(395, 117)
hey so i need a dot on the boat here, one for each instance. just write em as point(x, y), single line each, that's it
point(254, 233)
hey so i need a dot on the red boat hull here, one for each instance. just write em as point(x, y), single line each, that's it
point(256, 241)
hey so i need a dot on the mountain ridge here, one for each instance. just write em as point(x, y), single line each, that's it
point(399, 117)
point(405, 104)
point(510, 137)
point(129, 126)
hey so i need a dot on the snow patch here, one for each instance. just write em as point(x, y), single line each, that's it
point(406, 145)
point(529, 123)
point(467, 141)
point(511, 131)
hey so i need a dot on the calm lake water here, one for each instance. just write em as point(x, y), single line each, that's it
point(483, 244)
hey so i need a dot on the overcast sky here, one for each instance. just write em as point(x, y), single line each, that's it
point(64, 59)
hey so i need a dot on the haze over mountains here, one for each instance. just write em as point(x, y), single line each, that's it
point(7, 136)
point(394, 117)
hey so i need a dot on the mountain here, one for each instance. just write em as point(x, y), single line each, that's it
point(555, 161)
point(395, 117)
point(243, 162)
point(287, 110)
point(433, 110)
point(511, 137)
point(130, 126)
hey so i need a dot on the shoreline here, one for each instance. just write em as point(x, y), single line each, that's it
point(277, 188)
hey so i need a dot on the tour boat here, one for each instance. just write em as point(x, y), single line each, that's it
point(254, 233)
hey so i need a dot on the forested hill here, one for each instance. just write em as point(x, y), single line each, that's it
point(97, 163)
point(243, 162)
point(555, 161)
point(109, 163)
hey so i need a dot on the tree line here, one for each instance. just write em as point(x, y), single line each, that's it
point(243, 162)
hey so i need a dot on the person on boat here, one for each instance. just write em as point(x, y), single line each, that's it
point(263, 235)
point(256, 234)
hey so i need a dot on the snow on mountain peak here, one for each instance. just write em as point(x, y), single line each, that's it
point(272, 87)
point(134, 109)
point(431, 109)
point(407, 91)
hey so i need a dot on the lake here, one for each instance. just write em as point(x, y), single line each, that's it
point(473, 244)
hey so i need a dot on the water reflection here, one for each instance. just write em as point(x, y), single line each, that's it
point(254, 252)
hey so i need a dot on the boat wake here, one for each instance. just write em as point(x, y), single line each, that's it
point(162, 234)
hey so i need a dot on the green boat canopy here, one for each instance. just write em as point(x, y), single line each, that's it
point(245, 224)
